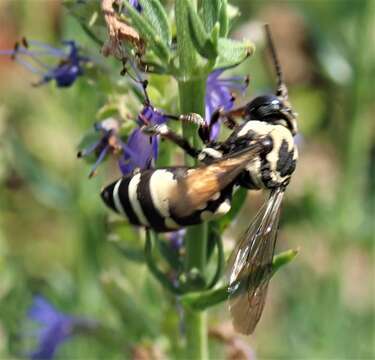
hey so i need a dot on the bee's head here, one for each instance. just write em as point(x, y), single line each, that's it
point(272, 109)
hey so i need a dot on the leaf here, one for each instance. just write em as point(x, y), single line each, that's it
point(215, 34)
point(158, 274)
point(282, 259)
point(155, 13)
point(130, 253)
point(146, 30)
point(199, 36)
point(233, 52)
point(120, 293)
point(47, 189)
point(211, 10)
point(169, 254)
point(215, 237)
point(224, 19)
point(238, 200)
point(200, 301)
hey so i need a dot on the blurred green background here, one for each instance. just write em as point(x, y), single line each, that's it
point(53, 227)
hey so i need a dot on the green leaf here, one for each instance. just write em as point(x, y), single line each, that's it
point(211, 10)
point(224, 19)
point(215, 236)
point(233, 52)
point(200, 301)
point(238, 200)
point(282, 259)
point(130, 253)
point(147, 32)
point(169, 254)
point(159, 275)
point(215, 34)
point(155, 13)
point(46, 188)
point(199, 36)
point(120, 293)
point(187, 57)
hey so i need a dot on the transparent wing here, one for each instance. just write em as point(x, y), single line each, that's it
point(251, 265)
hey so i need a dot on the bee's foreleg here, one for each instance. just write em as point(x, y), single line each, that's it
point(166, 133)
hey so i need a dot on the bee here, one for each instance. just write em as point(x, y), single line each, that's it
point(260, 153)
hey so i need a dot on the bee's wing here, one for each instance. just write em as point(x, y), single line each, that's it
point(251, 266)
point(195, 188)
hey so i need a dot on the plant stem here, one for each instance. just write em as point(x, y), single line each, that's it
point(192, 100)
point(192, 87)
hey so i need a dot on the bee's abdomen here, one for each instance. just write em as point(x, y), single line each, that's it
point(145, 197)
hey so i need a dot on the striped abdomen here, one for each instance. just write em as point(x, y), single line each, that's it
point(149, 198)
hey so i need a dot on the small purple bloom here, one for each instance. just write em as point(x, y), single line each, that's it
point(136, 5)
point(176, 239)
point(109, 143)
point(54, 327)
point(141, 149)
point(138, 151)
point(68, 62)
point(219, 93)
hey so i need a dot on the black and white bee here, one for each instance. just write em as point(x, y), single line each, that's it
point(260, 153)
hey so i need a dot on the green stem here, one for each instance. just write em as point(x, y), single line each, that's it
point(192, 87)
point(192, 100)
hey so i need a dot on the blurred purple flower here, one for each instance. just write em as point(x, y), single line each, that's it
point(141, 149)
point(54, 327)
point(108, 143)
point(136, 5)
point(176, 239)
point(31, 55)
point(138, 151)
point(219, 93)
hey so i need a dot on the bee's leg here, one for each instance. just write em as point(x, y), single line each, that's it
point(227, 117)
point(196, 119)
point(166, 133)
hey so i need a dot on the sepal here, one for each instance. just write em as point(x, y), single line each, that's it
point(210, 11)
point(232, 52)
point(224, 19)
point(205, 45)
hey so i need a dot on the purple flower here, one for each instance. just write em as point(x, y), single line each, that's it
point(68, 62)
point(109, 142)
point(219, 93)
point(136, 5)
point(54, 327)
point(138, 151)
point(141, 149)
point(176, 239)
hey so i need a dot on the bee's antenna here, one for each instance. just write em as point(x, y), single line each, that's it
point(281, 89)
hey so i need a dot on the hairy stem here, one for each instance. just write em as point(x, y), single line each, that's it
point(192, 92)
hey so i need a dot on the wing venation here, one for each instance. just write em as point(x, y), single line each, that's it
point(251, 266)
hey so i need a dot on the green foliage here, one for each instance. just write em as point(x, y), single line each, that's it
point(203, 43)
point(156, 15)
point(146, 25)
point(53, 233)
point(233, 52)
